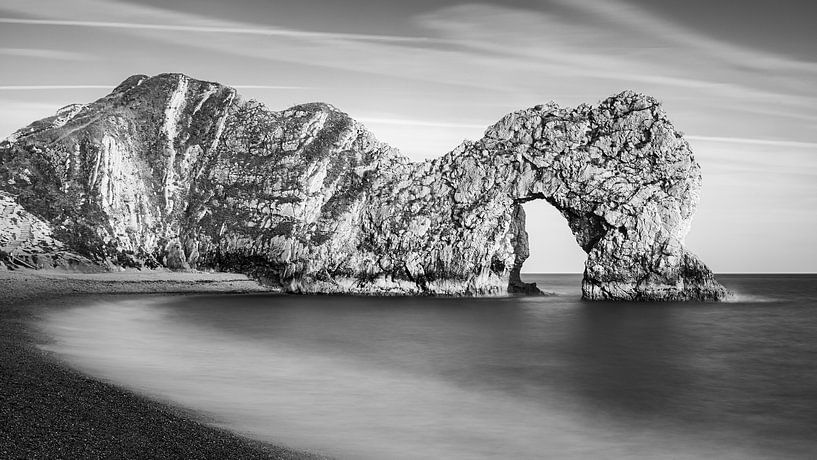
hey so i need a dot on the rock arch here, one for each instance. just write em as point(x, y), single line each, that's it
point(623, 178)
point(175, 171)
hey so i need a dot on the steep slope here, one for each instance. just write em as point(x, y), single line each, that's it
point(178, 172)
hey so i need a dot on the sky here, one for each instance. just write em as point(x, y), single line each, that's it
point(739, 78)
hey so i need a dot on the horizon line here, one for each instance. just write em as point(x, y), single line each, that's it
point(716, 273)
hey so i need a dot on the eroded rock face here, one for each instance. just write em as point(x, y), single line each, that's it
point(27, 242)
point(178, 172)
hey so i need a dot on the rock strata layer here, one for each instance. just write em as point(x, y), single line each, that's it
point(171, 171)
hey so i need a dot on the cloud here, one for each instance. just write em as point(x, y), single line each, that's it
point(50, 87)
point(425, 123)
point(276, 87)
point(472, 45)
point(622, 42)
point(460, 36)
point(223, 29)
point(46, 54)
point(747, 166)
point(636, 18)
point(741, 140)
point(17, 114)
point(109, 87)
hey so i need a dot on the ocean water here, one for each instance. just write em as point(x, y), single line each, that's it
point(466, 378)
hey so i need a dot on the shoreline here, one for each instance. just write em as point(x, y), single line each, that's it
point(49, 410)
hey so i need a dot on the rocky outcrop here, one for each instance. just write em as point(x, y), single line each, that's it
point(183, 173)
point(27, 242)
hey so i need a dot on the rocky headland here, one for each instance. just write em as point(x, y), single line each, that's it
point(169, 171)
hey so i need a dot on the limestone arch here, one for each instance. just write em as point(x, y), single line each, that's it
point(627, 184)
point(308, 200)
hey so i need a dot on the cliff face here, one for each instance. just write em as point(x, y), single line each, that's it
point(177, 172)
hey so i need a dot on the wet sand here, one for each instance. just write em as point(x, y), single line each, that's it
point(48, 410)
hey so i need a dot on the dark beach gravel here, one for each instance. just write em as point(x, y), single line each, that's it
point(50, 411)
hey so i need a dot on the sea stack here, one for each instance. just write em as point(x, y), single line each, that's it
point(176, 172)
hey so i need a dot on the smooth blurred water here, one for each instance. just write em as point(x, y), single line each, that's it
point(549, 377)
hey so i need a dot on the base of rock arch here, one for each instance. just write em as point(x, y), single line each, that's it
point(176, 172)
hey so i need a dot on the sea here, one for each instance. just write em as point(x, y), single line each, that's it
point(472, 378)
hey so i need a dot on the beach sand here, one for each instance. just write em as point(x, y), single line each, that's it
point(48, 410)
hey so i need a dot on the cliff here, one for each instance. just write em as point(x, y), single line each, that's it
point(182, 173)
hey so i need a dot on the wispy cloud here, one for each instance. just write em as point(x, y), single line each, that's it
point(749, 141)
point(80, 87)
point(24, 112)
point(637, 18)
point(50, 87)
point(276, 87)
point(637, 46)
point(224, 29)
point(425, 123)
point(45, 54)
point(473, 45)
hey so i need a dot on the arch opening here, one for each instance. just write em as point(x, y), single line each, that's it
point(551, 248)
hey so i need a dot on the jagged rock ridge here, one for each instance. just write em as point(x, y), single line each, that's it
point(173, 171)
